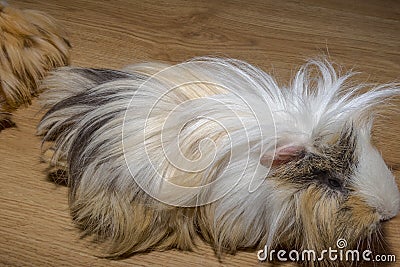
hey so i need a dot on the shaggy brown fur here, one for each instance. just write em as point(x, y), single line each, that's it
point(31, 43)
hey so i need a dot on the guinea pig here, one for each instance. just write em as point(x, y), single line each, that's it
point(158, 156)
point(31, 43)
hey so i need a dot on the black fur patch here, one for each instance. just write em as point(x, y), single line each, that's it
point(5, 121)
point(331, 166)
point(100, 76)
point(87, 102)
point(89, 97)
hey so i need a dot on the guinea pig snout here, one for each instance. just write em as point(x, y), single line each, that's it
point(382, 198)
point(386, 201)
point(392, 209)
point(376, 184)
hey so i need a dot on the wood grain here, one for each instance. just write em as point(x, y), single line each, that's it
point(35, 227)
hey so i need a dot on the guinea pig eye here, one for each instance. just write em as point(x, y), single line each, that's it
point(334, 183)
point(329, 179)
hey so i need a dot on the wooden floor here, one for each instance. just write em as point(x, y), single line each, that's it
point(35, 226)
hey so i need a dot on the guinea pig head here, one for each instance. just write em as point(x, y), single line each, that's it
point(338, 185)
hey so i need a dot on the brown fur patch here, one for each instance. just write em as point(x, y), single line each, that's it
point(132, 227)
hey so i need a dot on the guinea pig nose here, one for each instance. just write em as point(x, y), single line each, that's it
point(384, 218)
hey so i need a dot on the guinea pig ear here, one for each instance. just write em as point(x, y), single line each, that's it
point(282, 154)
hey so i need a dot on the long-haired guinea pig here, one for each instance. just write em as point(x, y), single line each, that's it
point(31, 43)
point(159, 155)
